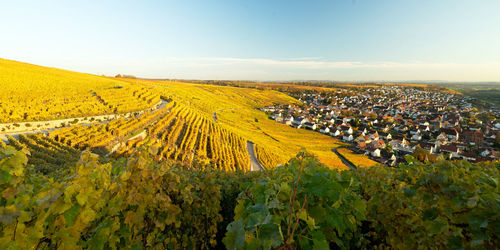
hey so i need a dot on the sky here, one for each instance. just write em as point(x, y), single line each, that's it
point(340, 40)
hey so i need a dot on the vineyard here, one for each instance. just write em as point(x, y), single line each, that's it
point(187, 136)
point(102, 137)
point(34, 93)
point(184, 131)
point(266, 158)
point(47, 156)
point(236, 111)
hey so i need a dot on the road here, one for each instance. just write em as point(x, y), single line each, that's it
point(254, 162)
point(343, 159)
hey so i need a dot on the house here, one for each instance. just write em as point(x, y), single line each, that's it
point(376, 144)
point(299, 121)
point(427, 146)
point(374, 152)
point(424, 127)
point(451, 149)
point(451, 133)
point(345, 129)
point(347, 138)
point(468, 156)
point(489, 153)
point(336, 133)
point(473, 137)
point(416, 137)
point(385, 136)
point(401, 145)
point(310, 125)
point(324, 130)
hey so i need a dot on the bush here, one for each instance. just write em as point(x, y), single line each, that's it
point(134, 204)
point(139, 203)
point(301, 205)
point(442, 205)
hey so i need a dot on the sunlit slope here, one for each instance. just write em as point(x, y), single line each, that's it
point(33, 93)
point(237, 110)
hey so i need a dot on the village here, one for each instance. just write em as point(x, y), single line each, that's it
point(389, 122)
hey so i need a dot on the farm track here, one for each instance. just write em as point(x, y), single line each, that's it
point(254, 162)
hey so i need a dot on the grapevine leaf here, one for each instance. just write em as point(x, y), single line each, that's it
point(71, 214)
point(430, 214)
point(319, 241)
point(318, 213)
point(271, 235)
point(235, 235)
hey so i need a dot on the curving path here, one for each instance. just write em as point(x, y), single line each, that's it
point(254, 162)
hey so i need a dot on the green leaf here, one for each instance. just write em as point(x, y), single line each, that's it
point(434, 227)
point(360, 206)
point(5, 176)
point(319, 241)
point(71, 214)
point(430, 214)
point(235, 235)
point(270, 235)
point(318, 213)
point(81, 198)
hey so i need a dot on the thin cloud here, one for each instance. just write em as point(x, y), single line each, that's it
point(320, 64)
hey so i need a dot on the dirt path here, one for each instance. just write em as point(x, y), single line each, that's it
point(254, 162)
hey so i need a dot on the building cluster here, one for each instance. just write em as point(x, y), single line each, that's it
point(389, 122)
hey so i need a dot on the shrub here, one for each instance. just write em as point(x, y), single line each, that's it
point(301, 205)
point(442, 205)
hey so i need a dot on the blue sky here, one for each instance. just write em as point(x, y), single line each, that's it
point(259, 40)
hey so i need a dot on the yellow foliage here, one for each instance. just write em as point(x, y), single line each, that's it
point(35, 93)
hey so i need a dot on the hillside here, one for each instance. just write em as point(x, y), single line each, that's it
point(236, 109)
point(35, 93)
point(199, 124)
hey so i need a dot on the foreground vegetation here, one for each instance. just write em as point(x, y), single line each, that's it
point(140, 203)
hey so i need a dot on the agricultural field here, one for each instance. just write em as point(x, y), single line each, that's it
point(201, 123)
point(35, 93)
point(236, 109)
